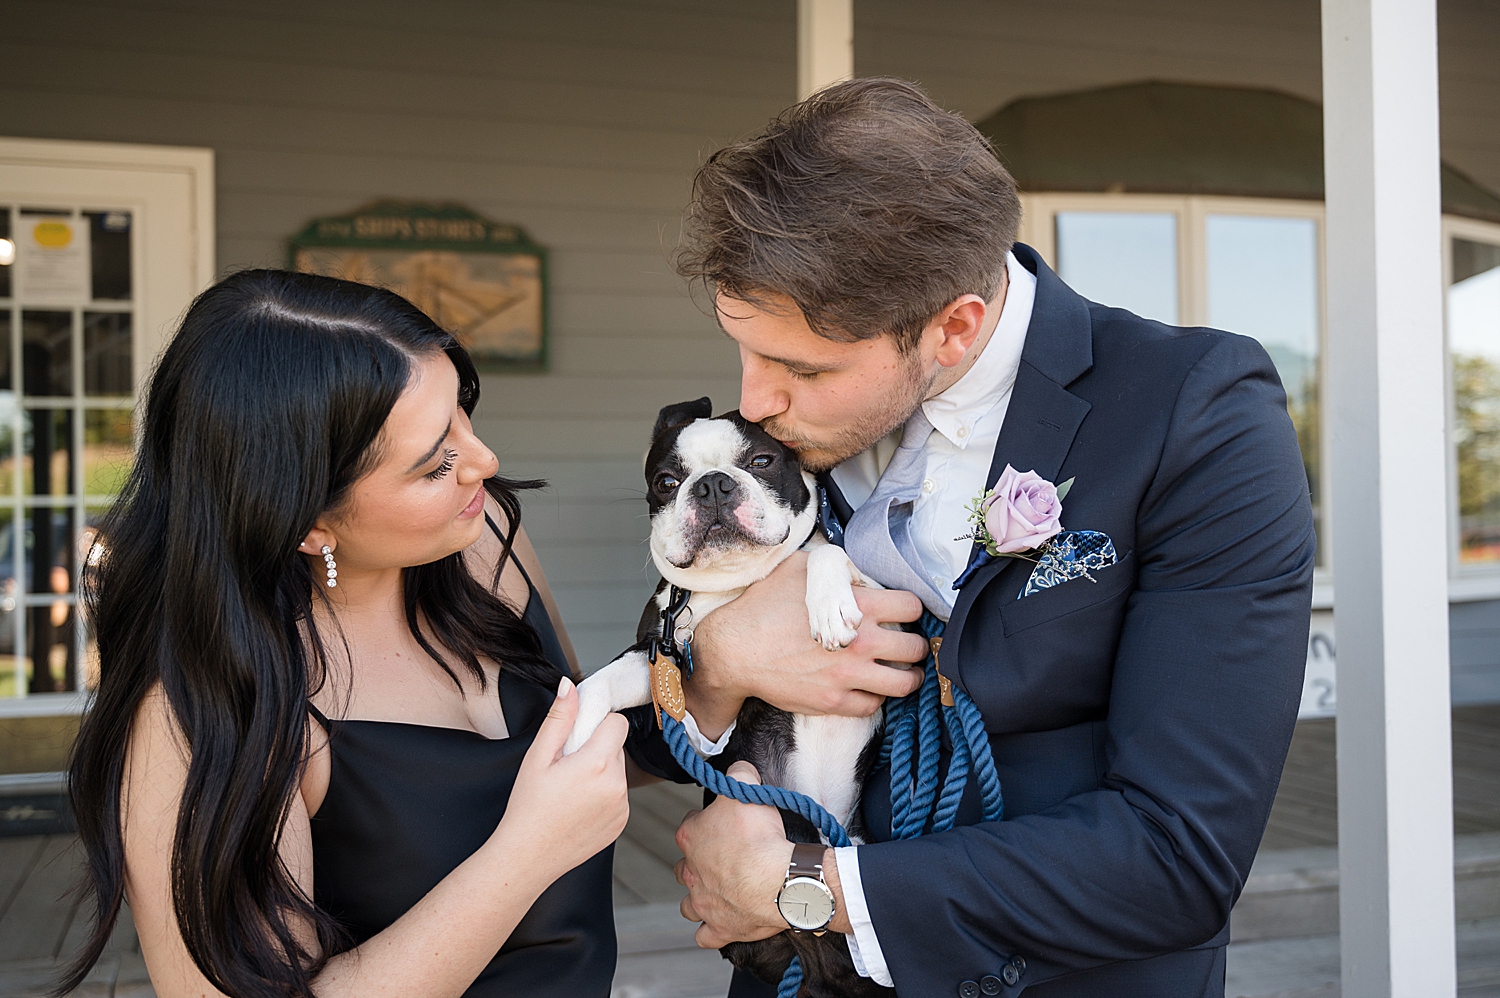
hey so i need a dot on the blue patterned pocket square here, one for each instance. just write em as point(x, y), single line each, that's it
point(1070, 555)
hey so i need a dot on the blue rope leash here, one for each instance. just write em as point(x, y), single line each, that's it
point(791, 981)
point(913, 727)
point(748, 793)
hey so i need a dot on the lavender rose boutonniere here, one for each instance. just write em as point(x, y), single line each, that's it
point(1019, 515)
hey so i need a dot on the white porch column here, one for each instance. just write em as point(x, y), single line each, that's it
point(1387, 482)
point(825, 44)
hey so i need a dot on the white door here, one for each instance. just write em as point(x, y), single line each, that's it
point(102, 247)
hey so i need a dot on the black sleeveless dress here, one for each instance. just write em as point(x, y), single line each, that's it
point(407, 803)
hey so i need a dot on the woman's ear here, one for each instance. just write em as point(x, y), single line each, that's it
point(315, 540)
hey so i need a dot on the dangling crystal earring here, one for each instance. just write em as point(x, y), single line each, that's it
point(333, 567)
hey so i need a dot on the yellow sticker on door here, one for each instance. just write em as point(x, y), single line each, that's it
point(52, 235)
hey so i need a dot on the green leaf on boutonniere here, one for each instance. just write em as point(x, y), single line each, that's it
point(1063, 489)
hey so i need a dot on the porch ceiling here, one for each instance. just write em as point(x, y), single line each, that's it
point(1182, 138)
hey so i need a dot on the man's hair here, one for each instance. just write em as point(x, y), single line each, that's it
point(867, 205)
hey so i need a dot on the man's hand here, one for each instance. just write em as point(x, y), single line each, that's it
point(735, 858)
point(759, 645)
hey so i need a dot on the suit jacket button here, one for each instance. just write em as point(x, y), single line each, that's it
point(1019, 963)
point(990, 985)
point(968, 989)
point(1011, 974)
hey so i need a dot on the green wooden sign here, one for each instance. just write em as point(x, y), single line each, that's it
point(484, 281)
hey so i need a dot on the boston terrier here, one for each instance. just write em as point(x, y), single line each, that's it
point(728, 503)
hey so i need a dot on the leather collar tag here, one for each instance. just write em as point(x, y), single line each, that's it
point(945, 685)
point(666, 688)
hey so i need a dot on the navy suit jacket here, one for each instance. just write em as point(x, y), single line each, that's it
point(1139, 722)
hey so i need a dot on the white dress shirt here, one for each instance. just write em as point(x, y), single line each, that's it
point(966, 418)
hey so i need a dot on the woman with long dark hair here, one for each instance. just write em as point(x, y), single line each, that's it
point(325, 753)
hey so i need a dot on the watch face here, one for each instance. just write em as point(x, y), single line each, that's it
point(805, 903)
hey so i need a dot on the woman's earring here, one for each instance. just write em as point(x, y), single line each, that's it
point(333, 567)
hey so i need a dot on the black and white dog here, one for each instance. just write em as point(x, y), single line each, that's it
point(729, 503)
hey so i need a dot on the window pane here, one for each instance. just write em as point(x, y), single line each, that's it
point(49, 641)
point(1124, 259)
point(89, 557)
point(7, 443)
point(108, 450)
point(1263, 282)
point(47, 353)
point(7, 262)
point(6, 383)
point(109, 251)
point(106, 353)
point(1474, 342)
point(9, 607)
point(49, 452)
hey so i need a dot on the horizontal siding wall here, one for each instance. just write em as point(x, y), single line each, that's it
point(1474, 642)
point(581, 121)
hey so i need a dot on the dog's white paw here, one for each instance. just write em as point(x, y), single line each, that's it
point(832, 613)
point(591, 713)
point(835, 617)
point(625, 682)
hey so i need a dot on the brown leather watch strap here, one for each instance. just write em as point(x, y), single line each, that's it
point(807, 861)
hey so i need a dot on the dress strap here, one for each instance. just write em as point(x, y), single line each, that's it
point(522, 567)
point(318, 716)
point(510, 550)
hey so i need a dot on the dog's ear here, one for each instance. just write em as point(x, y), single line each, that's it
point(681, 414)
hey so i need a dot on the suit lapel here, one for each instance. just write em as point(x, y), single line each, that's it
point(1043, 416)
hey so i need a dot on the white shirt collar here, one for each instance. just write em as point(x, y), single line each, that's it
point(954, 412)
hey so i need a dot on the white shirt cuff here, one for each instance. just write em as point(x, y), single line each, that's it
point(702, 745)
point(864, 948)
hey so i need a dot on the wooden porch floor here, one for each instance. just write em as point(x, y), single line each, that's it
point(1307, 805)
point(39, 927)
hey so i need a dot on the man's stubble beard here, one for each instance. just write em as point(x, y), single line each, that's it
point(861, 434)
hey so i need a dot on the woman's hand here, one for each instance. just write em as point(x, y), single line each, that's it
point(760, 645)
point(563, 810)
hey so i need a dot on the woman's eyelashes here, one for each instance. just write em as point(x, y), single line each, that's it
point(449, 456)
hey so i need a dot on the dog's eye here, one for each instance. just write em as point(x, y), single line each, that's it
point(761, 461)
point(666, 483)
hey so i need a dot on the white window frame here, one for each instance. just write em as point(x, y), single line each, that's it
point(1039, 230)
point(170, 192)
point(1466, 583)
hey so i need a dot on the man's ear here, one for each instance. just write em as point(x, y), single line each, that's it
point(681, 414)
point(958, 326)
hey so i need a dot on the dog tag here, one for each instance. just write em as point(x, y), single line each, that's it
point(666, 689)
point(945, 685)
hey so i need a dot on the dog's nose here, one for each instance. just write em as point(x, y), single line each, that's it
point(713, 487)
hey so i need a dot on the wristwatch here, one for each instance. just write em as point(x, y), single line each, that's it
point(805, 901)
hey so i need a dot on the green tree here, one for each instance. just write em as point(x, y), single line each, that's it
point(1476, 398)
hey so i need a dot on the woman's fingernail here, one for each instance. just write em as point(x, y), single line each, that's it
point(564, 688)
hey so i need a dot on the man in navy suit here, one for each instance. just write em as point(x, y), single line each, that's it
point(861, 253)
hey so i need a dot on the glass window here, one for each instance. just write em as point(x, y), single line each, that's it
point(7, 262)
point(51, 649)
point(1263, 282)
point(49, 452)
point(66, 439)
point(47, 353)
point(106, 353)
point(108, 450)
point(1124, 259)
point(11, 672)
point(109, 254)
point(1474, 344)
